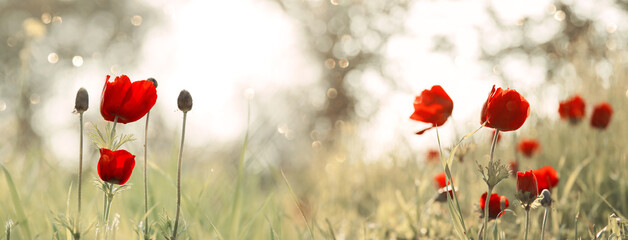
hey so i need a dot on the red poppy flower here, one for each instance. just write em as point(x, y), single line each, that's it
point(496, 205)
point(601, 115)
point(128, 101)
point(546, 178)
point(527, 189)
point(432, 106)
point(505, 110)
point(115, 166)
point(572, 109)
point(528, 147)
point(433, 155)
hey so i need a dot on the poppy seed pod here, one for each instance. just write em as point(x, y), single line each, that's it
point(153, 81)
point(184, 101)
point(547, 198)
point(82, 101)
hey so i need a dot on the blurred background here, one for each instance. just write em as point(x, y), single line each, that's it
point(316, 71)
point(324, 80)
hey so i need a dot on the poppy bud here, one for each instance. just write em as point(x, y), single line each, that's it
point(526, 187)
point(153, 81)
point(82, 101)
point(185, 101)
point(547, 198)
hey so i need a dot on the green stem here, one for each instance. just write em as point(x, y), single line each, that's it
point(113, 132)
point(80, 178)
point(525, 234)
point(544, 221)
point(490, 188)
point(486, 207)
point(108, 200)
point(176, 219)
point(146, 176)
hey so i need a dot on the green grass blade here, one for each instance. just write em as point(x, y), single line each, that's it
point(237, 199)
point(17, 203)
point(296, 201)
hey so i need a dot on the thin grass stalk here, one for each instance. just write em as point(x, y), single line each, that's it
point(145, 176)
point(525, 234)
point(176, 218)
point(80, 178)
point(235, 211)
point(544, 221)
point(490, 188)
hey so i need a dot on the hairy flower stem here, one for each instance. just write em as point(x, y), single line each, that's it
point(108, 200)
point(146, 176)
point(176, 218)
point(490, 188)
point(525, 234)
point(80, 178)
point(544, 221)
point(113, 132)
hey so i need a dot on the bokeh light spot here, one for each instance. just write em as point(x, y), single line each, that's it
point(3, 105)
point(249, 93)
point(34, 99)
point(330, 63)
point(53, 58)
point(343, 63)
point(57, 19)
point(46, 18)
point(136, 20)
point(559, 15)
point(335, 2)
point(77, 61)
point(332, 93)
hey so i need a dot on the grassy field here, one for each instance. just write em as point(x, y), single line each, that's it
point(334, 197)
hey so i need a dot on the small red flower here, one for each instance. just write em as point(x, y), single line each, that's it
point(527, 189)
point(432, 106)
point(546, 178)
point(115, 166)
point(441, 180)
point(128, 101)
point(505, 110)
point(528, 147)
point(572, 109)
point(496, 205)
point(601, 115)
point(433, 155)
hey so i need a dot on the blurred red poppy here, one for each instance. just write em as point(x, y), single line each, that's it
point(528, 147)
point(115, 166)
point(496, 204)
point(527, 189)
point(505, 110)
point(432, 106)
point(546, 178)
point(441, 180)
point(601, 115)
point(128, 101)
point(572, 109)
point(433, 155)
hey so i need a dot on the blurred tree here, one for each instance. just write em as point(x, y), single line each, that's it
point(43, 41)
point(348, 38)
